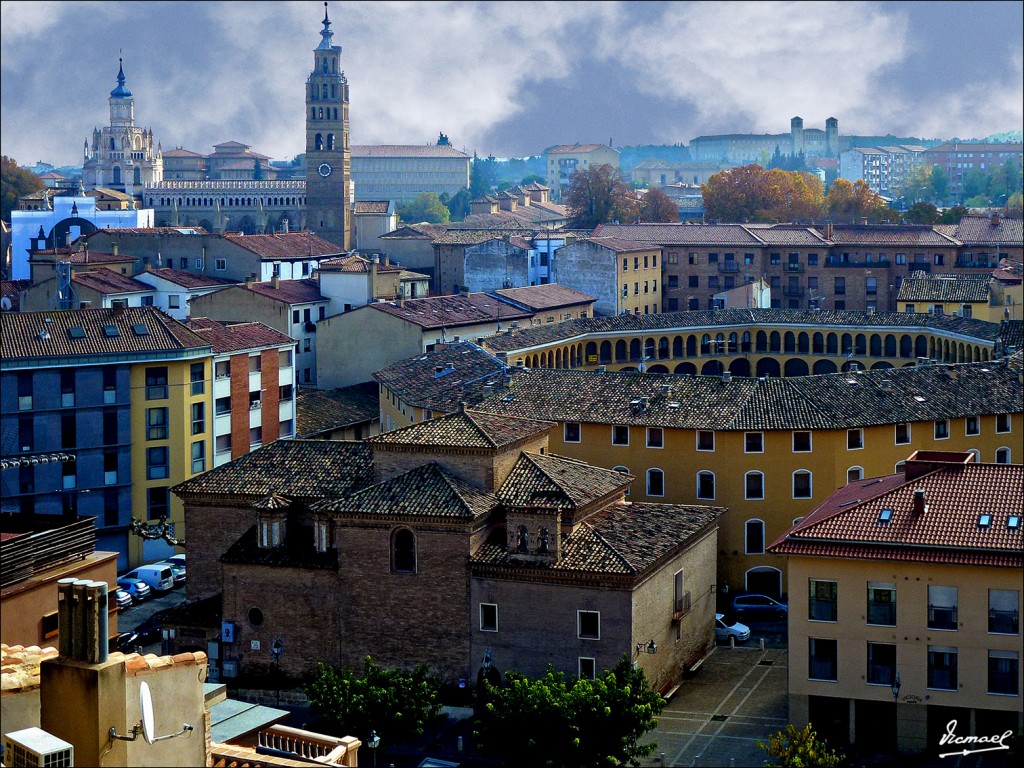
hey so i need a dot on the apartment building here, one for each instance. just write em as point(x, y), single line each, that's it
point(904, 606)
point(563, 160)
point(623, 275)
point(956, 158)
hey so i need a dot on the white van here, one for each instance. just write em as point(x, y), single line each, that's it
point(158, 577)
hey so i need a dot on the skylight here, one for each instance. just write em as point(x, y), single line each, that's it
point(140, 329)
point(984, 520)
point(111, 330)
point(1013, 522)
point(76, 333)
point(885, 515)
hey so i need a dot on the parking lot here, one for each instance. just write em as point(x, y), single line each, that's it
point(130, 618)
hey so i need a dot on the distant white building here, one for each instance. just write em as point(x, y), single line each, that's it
point(70, 218)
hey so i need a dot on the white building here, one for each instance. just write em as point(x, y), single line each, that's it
point(70, 218)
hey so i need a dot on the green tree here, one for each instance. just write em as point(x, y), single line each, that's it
point(531, 178)
point(940, 185)
point(656, 206)
point(15, 182)
point(974, 183)
point(483, 176)
point(953, 215)
point(922, 213)
point(559, 721)
point(599, 195)
point(917, 187)
point(398, 704)
point(458, 205)
point(426, 206)
point(792, 748)
point(257, 170)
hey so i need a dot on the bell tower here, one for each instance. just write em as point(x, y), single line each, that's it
point(328, 155)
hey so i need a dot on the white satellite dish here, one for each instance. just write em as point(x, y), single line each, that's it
point(146, 704)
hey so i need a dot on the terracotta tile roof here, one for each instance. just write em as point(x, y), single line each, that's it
point(179, 152)
point(372, 206)
point(107, 281)
point(135, 664)
point(890, 235)
point(21, 333)
point(297, 469)
point(620, 244)
point(297, 551)
point(227, 337)
point(941, 288)
point(831, 401)
point(355, 263)
point(186, 231)
point(473, 236)
point(403, 150)
point(19, 666)
point(557, 482)
point(72, 255)
point(680, 234)
point(1011, 334)
point(465, 371)
point(550, 296)
point(429, 490)
point(524, 217)
point(470, 429)
point(114, 193)
point(288, 291)
point(186, 279)
point(421, 231)
point(979, 230)
point(562, 149)
point(623, 539)
point(451, 311)
point(949, 530)
point(783, 235)
point(822, 320)
point(319, 410)
point(286, 245)
point(11, 289)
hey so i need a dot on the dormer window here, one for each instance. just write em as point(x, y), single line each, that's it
point(271, 531)
point(322, 534)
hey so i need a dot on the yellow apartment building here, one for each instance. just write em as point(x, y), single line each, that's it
point(562, 161)
point(957, 295)
point(904, 607)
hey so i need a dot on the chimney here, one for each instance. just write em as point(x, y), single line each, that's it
point(284, 226)
point(828, 230)
point(115, 249)
point(462, 406)
point(919, 506)
point(250, 281)
point(275, 281)
point(994, 220)
point(864, 221)
point(82, 620)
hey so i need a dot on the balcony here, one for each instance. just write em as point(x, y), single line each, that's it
point(728, 266)
point(795, 266)
point(919, 266)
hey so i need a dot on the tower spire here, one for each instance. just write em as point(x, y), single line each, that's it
point(120, 91)
point(326, 43)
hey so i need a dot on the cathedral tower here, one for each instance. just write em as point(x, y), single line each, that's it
point(328, 155)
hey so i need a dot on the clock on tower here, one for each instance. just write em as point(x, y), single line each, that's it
point(328, 155)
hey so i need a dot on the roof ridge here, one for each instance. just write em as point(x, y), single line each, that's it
point(480, 430)
point(532, 459)
point(618, 555)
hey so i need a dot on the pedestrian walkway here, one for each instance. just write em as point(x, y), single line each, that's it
point(739, 696)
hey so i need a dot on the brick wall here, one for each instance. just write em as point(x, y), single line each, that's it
point(211, 530)
point(271, 375)
point(239, 405)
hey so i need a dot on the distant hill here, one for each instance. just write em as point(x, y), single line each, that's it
point(888, 141)
point(1005, 136)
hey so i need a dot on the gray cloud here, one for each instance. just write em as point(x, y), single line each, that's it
point(509, 78)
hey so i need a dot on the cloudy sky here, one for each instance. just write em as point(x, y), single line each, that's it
point(509, 78)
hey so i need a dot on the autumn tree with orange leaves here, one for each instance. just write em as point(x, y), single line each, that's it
point(752, 194)
point(848, 202)
point(656, 206)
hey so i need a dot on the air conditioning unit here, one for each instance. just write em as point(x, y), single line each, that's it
point(32, 747)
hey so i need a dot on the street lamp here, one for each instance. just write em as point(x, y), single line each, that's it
point(372, 743)
point(651, 647)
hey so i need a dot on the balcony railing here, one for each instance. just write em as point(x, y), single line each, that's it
point(795, 267)
point(728, 266)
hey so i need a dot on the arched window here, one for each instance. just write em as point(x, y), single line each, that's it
point(138, 175)
point(753, 485)
point(319, 141)
point(330, 141)
point(625, 471)
point(1002, 455)
point(853, 474)
point(403, 551)
point(320, 113)
point(900, 466)
point(325, 66)
point(753, 537)
point(655, 482)
point(705, 484)
point(975, 453)
point(117, 174)
point(802, 485)
point(324, 91)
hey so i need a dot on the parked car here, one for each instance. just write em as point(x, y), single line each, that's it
point(179, 559)
point(137, 588)
point(158, 577)
point(177, 570)
point(759, 606)
point(126, 642)
point(724, 630)
point(149, 631)
point(121, 598)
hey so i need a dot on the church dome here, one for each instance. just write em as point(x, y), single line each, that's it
point(120, 92)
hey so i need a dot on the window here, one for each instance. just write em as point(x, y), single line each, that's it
point(802, 484)
point(705, 441)
point(109, 385)
point(403, 551)
point(156, 463)
point(812, 259)
point(823, 600)
point(255, 436)
point(823, 659)
point(942, 668)
point(881, 603)
point(753, 486)
point(68, 431)
point(24, 391)
point(255, 363)
point(284, 393)
point(1002, 672)
point(271, 531)
point(853, 474)
point(871, 285)
point(620, 435)
point(67, 388)
point(588, 668)
point(223, 443)
point(198, 418)
point(69, 478)
point(220, 264)
point(693, 281)
point(1002, 422)
point(854, 439)
point(156, 383)
point(655, 482)
point(296, 317)
point(158, 501)
point(840, 286)
point(588, 625)
point(705, 485)
point(156, 423)
point(222, 406)
point(198, 378)
point(174, 301)
point(284, 358)
point(571, 433)
point(198, 456)
point(902, 434)
point(775, 258)
point(655, 437)
point(488, 617)
point(222, 369)
point(753, 537)
point(753, 442)
point(942, 607)
point(801, 442)
point(110, 468)
point(286, 428)
point(941, 429)
point(1002, 455)
point(1003, 615)
point(881, 664)
point(109, 426)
